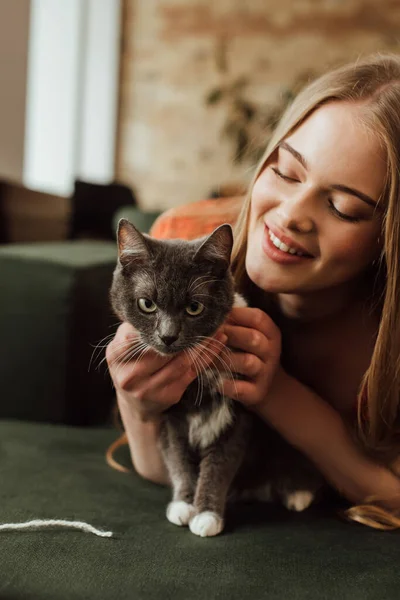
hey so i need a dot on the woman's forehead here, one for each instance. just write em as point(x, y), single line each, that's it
point(338, 147)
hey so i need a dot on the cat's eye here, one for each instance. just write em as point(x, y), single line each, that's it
point(194, 308)
point(146, 305)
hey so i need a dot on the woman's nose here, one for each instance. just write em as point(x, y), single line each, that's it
point(298, 213)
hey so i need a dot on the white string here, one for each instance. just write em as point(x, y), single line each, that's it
point(39, 523)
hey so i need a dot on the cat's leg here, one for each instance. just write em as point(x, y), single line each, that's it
point(218, 468)
point(183, 474)
point(217, 472)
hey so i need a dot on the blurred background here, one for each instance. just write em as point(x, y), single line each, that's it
point(155, 103)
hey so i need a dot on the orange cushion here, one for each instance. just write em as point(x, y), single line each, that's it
point(196, 219)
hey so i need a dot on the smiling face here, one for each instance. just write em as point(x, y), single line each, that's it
point(314, 224)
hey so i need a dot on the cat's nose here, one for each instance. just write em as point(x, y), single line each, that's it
point(168, 339)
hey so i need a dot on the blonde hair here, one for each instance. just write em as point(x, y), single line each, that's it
point(373, 82)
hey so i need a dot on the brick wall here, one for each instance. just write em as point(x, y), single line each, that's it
point(170, 147)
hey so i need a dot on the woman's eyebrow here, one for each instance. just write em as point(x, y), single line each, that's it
point(338, 187)
point(294, 153)
point(356, 193)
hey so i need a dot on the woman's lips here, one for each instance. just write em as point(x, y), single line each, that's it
point(278, 255)
point(288, 241)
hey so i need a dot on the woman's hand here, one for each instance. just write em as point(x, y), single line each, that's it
point(256, 344)
point(153, 383)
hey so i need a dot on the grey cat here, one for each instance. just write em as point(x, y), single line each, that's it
point(177, 293)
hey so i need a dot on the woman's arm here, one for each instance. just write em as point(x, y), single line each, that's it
point(308, 422)
point(303, 418)
point(143, 444)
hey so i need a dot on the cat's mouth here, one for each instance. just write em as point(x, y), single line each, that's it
point(174, 348)
point(167, 350)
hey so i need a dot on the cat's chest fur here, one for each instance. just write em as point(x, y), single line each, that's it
point(204, 429)
point(214, 413)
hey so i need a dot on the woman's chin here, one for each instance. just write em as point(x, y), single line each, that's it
point(270, 284)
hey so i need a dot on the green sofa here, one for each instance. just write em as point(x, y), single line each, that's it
point(52, 466)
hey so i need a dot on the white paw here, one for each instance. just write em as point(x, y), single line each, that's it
point(180, 512)
point(298, 501)
point(206, 524)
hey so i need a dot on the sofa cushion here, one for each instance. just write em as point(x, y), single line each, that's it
point(53, 471)
point(54, 309)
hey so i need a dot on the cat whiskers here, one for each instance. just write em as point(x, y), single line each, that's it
point(138, 348)
point(201, 366)
point(210, 371)
point(228, 370)
point(196, 280)
point(191, 288)
point(130, 353)
point(200, 382)
point(100, 346)
point(125, 343)
point(140, 351)
point(197, 295)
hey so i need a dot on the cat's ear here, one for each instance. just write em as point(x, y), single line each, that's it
point(217, 247)
point(132, 247)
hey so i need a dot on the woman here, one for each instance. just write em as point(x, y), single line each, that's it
point(317, 250)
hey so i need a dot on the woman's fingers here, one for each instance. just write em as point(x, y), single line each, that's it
point(241, 362)
point(240, 390)
point(124, 337)
point(254, 318)
point(254, 347)
point(247, 340)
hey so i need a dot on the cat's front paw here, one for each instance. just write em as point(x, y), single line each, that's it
point(298, 501)
point(206, 524)
point(180, 512)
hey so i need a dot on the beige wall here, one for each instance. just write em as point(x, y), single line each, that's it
point(170, 148)
point(14, 33)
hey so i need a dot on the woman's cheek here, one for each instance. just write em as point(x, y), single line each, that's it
point(262, 194)
point(351, 248)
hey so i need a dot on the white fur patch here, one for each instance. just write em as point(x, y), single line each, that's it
point(239, 301)
point(214, 380)
point(298, 501)
point(204, 430)
point(180, 513)
point(206, 524)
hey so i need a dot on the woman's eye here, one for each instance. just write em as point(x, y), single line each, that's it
point(146, 305)
point(341, 215)
point(194, 308)
point(284, 177)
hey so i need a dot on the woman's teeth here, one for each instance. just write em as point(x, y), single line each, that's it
point(277, 242)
